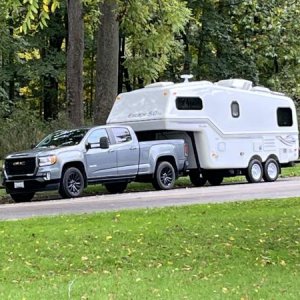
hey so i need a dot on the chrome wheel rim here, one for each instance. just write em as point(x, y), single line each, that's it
point(256, 172)
point(272, 170)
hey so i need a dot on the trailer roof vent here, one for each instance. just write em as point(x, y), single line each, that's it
point(186, 77)
point(236, 83)
point(159, 84)
point(261, 89)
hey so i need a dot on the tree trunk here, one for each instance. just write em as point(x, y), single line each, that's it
point(75, 49)
point(11, 62)
point(50, 82)
point(107, 61)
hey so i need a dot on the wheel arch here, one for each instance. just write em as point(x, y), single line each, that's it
point(76, 164)
point(256, 156)
point(168, 158)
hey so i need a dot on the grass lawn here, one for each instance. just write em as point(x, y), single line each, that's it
point(247, 250)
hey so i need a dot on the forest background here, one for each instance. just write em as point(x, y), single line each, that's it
point(62, 63)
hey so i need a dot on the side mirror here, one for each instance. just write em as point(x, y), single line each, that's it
point(88, 146)
point(104, 144)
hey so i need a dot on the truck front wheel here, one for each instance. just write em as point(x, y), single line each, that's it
point(72, 183)
point(23, 197)
point(164, 176)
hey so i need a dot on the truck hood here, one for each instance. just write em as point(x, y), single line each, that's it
point(35, 152)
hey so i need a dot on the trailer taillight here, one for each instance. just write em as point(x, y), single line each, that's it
point(186, 150)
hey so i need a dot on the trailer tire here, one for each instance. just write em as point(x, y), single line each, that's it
point(196, 179)
point(254, 172)
point(22, 197)
point(116, 188)
point(271, 170)
point(72, 183)
point(164, 176)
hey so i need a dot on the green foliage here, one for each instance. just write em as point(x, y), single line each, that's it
point(246, 250)
point(37, 13)
point(256, 40)
point(24, 128)
point(150, 28)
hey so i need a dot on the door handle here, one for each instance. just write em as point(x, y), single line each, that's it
point(133, 148)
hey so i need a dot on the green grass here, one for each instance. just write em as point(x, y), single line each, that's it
point(247, 250)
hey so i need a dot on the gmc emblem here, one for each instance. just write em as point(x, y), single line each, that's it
point(19, 163)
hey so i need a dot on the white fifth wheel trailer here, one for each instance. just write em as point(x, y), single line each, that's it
point(232, 127)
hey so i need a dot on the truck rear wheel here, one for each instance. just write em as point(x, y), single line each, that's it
point(271, 170)
point(118, 187)
point(254, 172)
point(164, 177)
point(23, 197)
point(72, 183)
point(197, 179)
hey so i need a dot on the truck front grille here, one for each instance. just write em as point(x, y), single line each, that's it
point(20, 166)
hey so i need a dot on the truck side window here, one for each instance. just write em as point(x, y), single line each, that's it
point(189, 103)
point(284, 116)
point(121, 134)
point(95, 136)
point(235, 109)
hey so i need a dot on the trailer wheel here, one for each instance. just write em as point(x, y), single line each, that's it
point(72, 183)
point(23, 197)
point(197, 179)
point(271, 170)
point(215, 179)
point(164, 177)
point(114, 188)
point(254, 172)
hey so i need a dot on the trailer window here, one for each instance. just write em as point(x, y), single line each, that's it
point(121, 135)
point(189, 103)
point(284, 116)
point(235, 109)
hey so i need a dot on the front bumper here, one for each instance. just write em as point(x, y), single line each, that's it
point(37, 184)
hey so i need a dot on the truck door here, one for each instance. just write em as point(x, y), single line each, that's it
point(100, 162)
point(127, 152)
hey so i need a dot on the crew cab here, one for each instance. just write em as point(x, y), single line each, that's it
point(69, 160)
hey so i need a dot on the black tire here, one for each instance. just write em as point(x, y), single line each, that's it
point(164, 177)
point(22, 197)
point(196, 178)
point(215, 179)
point(72, 183)
point(115, 188)
point(254, 172)
point(271, 170)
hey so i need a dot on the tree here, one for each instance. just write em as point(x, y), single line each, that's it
point(150, 29)
point(75, 48)
point(107, 61)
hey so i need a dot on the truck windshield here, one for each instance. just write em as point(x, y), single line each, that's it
point(62, 138)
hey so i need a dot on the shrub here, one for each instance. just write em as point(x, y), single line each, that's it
point(24, 128)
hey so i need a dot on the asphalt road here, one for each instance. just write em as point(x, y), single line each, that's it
point(287, 187)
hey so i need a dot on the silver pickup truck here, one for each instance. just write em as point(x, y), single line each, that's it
point(68, 160)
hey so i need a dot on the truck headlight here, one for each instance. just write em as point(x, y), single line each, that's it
point(47, 160)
